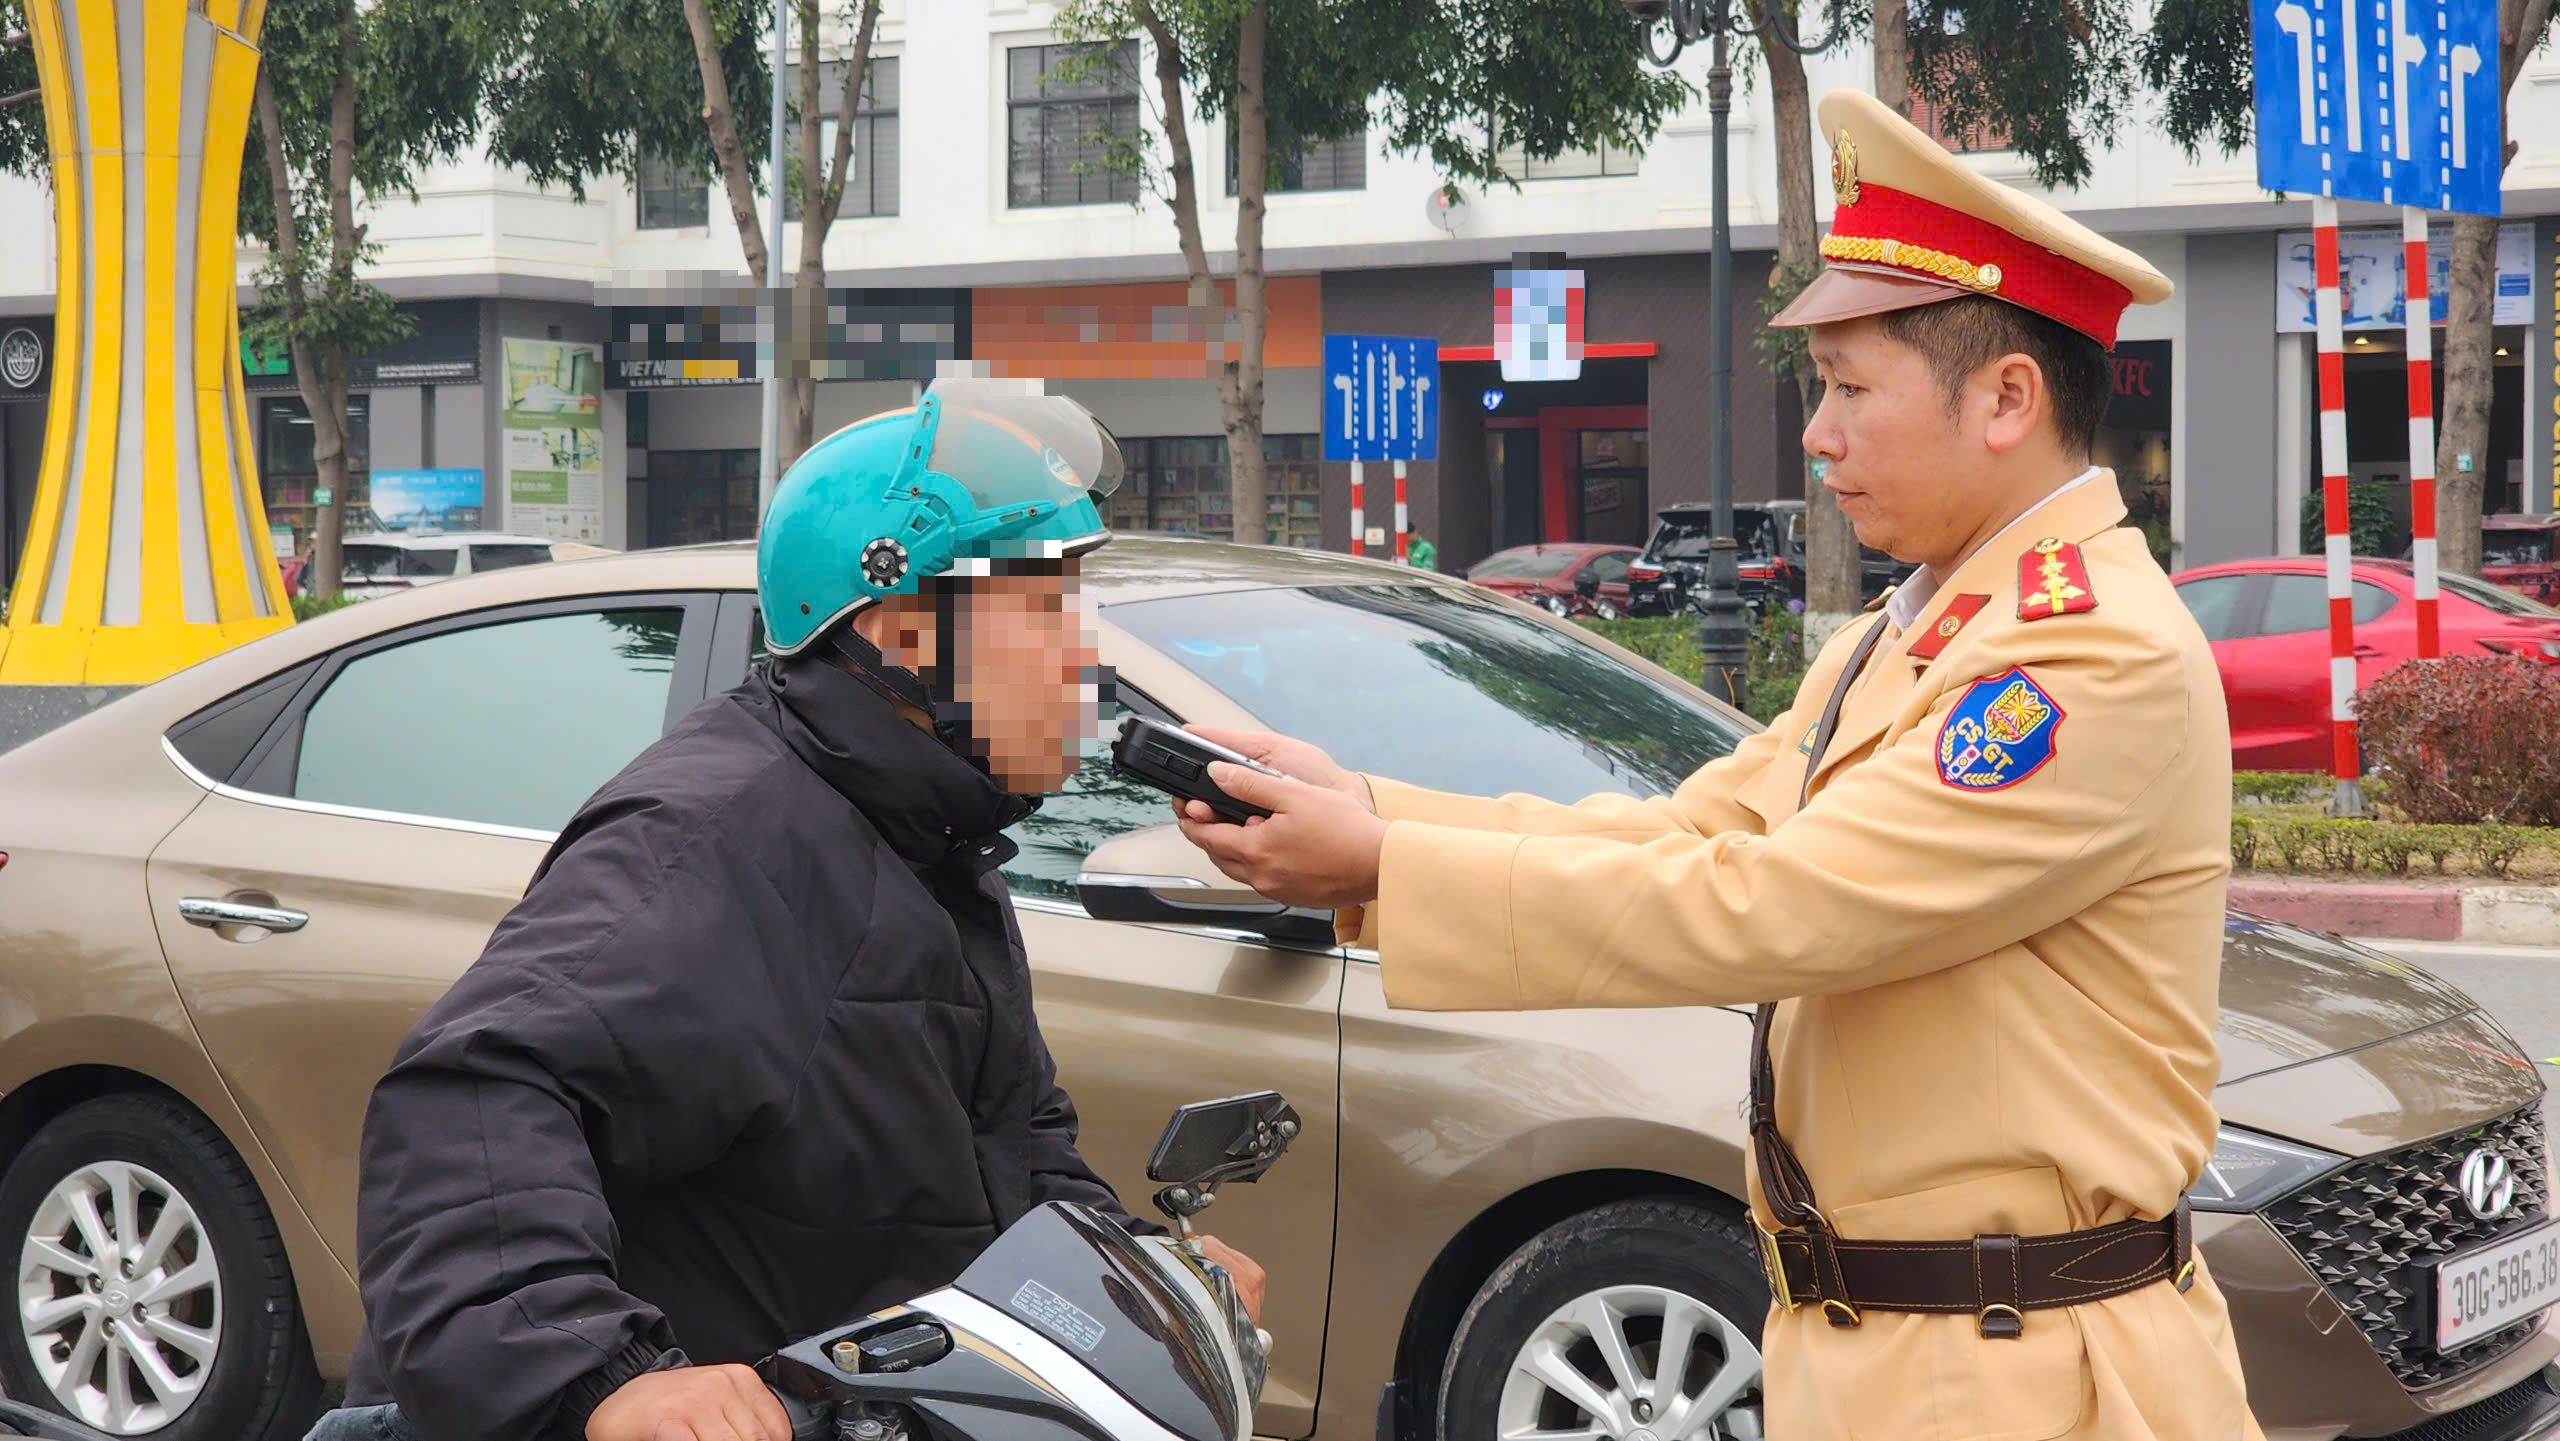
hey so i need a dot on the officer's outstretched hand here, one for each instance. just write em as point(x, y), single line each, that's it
point(1245, 1271)
point(691, 1403)
point(1290, 756)
point(1319, 846)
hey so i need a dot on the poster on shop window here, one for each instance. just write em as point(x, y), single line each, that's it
point(554, 433)
point(2370, 287)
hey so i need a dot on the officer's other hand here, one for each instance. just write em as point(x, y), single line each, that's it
point(1289, 756)
point(1319, 847)
point(1243, 1269)
point(691, 1403)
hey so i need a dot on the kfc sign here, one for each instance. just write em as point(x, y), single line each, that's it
point(2141, 398)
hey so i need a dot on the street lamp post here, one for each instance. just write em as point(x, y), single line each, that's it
point(1669, 27)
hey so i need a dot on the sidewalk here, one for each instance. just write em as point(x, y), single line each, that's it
point(2430, 909)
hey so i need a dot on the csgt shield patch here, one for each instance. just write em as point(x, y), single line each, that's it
point(2000, 732)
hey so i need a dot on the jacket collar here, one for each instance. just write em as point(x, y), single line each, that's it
point(2076, 513)
point(926, 801)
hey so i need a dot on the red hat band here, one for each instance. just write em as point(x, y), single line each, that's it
point(1900, 231)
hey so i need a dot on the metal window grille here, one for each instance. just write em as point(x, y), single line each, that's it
point(1059, 126)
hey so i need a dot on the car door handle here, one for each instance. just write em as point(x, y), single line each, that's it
point(208, 913)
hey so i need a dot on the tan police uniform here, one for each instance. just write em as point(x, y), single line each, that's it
point(1991, 913)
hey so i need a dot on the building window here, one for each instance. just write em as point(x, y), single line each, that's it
point(1061, 127)
point(1572, 164)
point(289, 476)
point(672, 196)
point(1182, 485)
point(871, 186)
point(1341, 164)
point(698, 496)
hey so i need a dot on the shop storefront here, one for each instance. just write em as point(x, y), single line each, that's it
point(2135, 440)
point(1591, 458)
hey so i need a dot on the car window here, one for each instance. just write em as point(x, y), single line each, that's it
point(1611, 568)
point(1521, 565)
point(2516, 547)
point(372, 561)
point(1098, 804)
point(425, 563)
point(2215, 603)
point(1682, 539)
point(511, 724)
point(2497, 598)
point(507, 557)
point(1453, 690)
point(2296, 603)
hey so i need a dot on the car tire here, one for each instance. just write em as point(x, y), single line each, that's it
point(233, 1357)
point(1533, 1351)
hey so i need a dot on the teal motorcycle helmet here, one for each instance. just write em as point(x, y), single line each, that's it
point(978, 474)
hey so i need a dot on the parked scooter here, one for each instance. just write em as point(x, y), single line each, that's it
point(1586, 600)
point(1068, 1328)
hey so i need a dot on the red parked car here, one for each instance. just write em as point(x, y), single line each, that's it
point(1551, 575)
point(2269, 624)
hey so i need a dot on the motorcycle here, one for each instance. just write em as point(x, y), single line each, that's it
point(1586, 600)
point(1068, 1328)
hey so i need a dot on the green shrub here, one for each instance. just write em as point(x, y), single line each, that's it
point(2341, 847)
point(1773, 665)
point(2467, 738)
point(2369, 526)
point(2494, 847)
point(2244, 842)
point(2438, 843)
point(2279, 788)
point(2291, 840)
point(2392, 847)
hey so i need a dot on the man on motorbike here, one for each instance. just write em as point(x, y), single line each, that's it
point(755, 1055)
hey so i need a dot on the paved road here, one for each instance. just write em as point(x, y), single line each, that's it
point(2520, 985)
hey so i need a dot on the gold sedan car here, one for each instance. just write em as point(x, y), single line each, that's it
point(226, 897)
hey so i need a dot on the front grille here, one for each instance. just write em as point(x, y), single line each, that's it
point(2366, 1230)
point(2513, 1412)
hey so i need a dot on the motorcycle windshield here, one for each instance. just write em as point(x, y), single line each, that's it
point(1106, 1301)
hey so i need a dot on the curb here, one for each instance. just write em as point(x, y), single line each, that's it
point(2480, 913)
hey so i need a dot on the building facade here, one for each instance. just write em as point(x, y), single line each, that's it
point(595, 361)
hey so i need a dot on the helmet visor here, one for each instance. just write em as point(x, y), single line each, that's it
point(1010, 444)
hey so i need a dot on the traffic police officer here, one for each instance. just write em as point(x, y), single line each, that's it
point(1978, 866)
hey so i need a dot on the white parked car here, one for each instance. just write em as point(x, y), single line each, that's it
point(380, 562)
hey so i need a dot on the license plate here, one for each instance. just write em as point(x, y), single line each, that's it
point(2484, 1291)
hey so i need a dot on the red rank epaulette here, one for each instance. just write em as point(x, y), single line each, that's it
point(2052, 581)
point(1944, 628)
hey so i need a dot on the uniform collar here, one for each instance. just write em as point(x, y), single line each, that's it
point(2078, 509)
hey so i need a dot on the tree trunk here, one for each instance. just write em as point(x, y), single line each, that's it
point(1203, 296)
point(724, 137)
point(2469, 379)
point(821, 198)
point(312, 368)
point(1240, 382)
point(1893, 55)
point(1833, 581)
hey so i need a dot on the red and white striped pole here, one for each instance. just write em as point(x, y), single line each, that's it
point(1403, 530)
point(1359, 517)
point(2422, 425)
point(2349, 799)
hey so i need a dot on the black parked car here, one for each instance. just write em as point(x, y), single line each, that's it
point(1770, 540)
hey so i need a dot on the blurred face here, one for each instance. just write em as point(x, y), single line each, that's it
point(1908, 467)
point(1025, 666)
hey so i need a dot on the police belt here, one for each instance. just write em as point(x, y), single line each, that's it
point(1996, 1279)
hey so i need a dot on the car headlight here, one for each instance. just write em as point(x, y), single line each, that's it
point(2248, 1170)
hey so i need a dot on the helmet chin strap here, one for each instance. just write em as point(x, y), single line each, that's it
point(904, 686)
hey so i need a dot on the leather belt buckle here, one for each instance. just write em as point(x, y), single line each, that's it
point(1773, 1264)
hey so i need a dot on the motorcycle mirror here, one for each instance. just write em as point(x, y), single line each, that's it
point(1209, 1143)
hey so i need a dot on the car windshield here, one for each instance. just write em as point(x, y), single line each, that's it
point(1512, 705)
point(2497, 598)
point(1522, 565)
point(2516, 547)
point(1686, 538)
point(1496, 700)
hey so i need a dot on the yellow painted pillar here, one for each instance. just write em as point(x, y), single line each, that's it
point(147, 550)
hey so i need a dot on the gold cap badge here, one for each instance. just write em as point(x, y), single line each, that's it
point(1844, 169)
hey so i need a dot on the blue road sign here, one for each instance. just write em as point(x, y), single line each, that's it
point(2391, 101)
point(1381, 397)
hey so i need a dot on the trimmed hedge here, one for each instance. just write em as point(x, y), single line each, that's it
point(2391, 848)
point(1773, 669)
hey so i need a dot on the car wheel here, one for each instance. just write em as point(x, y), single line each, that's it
point(153, 1293)
point(1637, 1321)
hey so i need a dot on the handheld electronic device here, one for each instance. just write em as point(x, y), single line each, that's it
point(1177, 762)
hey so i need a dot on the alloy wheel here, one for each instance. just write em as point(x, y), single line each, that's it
point(119, 1298)
point(1633, 1363)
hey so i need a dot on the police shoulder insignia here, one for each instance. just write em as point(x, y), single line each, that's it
point(2052, 580)
point(1934, 636)
point(2001, 732)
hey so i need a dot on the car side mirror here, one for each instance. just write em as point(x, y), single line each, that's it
point(1155, 877)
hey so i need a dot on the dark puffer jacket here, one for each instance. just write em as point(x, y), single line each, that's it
point(754, 1055)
